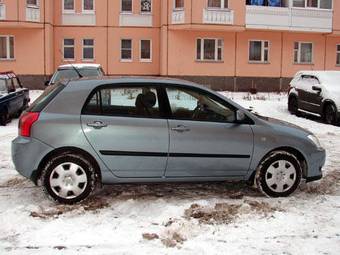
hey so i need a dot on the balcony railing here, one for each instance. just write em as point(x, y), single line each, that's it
point(32, 14)
point(218, 16)
point(2, 11)
point(178, 16)
point(79, 19)
point(293, 19)
point(135, 20)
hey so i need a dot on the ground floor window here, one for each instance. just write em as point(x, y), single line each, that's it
point(303, 52)
point(69, 49)
point(88, 49)
point(126, 50)
point(258, 51)
point(209, 50)
point(6, 47)
point(145, 50)
point(338, 54)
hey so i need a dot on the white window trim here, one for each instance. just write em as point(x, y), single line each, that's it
point(88, 11)
point(69, 46)
point(262, 51)
point(216, 50)
point(319, 4)
point(145, 60)
point(337, 53)
point(299, 54)
point(121, 48)
point(3, 5)
point(87, 46)
point(8, 48)
point(177, 8)
point(216, 8)
point(145, 13)
point(125, 12)
point(35, 6)
point(69, 11)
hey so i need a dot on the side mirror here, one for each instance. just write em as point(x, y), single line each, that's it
point(47, 83)
point(317, 89)
point(240, 116)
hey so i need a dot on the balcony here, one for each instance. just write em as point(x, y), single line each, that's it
point(218, 16)
point(289, 18)
point(2, 11)
point(178, 17)
point(32, 14)
point(135, 20)
point(79, 19)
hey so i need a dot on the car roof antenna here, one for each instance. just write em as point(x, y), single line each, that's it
point(75, 69)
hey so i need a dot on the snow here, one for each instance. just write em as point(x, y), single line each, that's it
point(114, 221)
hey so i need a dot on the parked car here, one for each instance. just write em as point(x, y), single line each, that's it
point(130, 130)
point(317, 93)
point(14, 98)
point(72, 71)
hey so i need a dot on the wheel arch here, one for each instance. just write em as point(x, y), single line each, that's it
point(66, 150)
point(327, 102)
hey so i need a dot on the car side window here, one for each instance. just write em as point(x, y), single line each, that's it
point(125, 102)
point(16, 83)
point(187, 104)
point(10, 85)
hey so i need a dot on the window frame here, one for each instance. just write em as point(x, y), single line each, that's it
point(35, 6)
point(88, 46)
point(337, 55)
point(69, 10)
point(298, 62)
point(88, 11)
point(146, 12)
point(121, 50)
point(178, 8)
point(145, 60)
point(126, 12)
point(8, 48)
point(215, 60)
point(222, 5)
point(318, 7)
point(69, 46)
point(263, 49)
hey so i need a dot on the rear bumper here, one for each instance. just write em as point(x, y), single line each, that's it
point(316, 162)
point(27, 154)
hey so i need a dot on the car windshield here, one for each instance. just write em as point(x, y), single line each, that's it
point(68, 74)
point(3, 87)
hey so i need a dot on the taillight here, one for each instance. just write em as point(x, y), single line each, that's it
point(26, 121)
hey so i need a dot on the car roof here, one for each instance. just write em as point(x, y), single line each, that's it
point(317, 73)
point(7, 75)
point(79, 66)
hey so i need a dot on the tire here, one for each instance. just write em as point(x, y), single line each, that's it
point(293, 105)
point(69, 178)
point(279, 174)
point(329, 114)
point(4, 117)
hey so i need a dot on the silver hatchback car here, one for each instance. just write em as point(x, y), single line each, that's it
point(130, 130)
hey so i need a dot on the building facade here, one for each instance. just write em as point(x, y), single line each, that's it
point(225, 44)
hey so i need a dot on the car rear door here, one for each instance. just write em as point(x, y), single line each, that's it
point(205, 141)
point(125, 124)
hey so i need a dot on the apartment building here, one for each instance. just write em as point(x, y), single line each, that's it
point(224, 44)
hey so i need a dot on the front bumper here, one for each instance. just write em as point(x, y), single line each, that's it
point(27, 154)
point(315, 163)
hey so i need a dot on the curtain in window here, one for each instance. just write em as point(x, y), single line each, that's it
point(146, 5)
point(179, 3)
point(214, 3)
point(306, 53)
point(88, 5)
point(255, 49)
point(68, 4)
point(3, 47)
point(209, 49)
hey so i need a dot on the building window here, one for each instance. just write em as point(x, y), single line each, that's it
point(338, 55)
point(303, 53)
point(88, 49)
point(218, 4)
point(32, 3)
point(259, 51)
point(2, 10)
point(88, 5)
point(179, 4)
point(209, 49)
point(145, 6)
point(323, 4)
point(68, 5)
point(69, 49)
point(126, 5)
point(6, 47)
point(145, 50)
point(126, 50)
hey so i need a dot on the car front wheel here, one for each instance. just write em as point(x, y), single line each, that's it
point(293, 105)
point(69, 178)
point(279, 174)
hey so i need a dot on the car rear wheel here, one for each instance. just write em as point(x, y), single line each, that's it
point(293, 105)
point(329, 115)
point(69, 178)
point(279, 174)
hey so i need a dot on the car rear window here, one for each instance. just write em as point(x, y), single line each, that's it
point(46, 97)
point(68, 74)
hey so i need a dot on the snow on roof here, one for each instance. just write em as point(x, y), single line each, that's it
point(80, 65)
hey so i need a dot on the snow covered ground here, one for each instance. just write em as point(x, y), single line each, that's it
point(213, 218)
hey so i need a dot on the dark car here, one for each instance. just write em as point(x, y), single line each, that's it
point(14, 98)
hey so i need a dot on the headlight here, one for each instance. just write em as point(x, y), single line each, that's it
point(315, 140)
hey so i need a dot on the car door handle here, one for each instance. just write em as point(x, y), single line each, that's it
point(97, 124)
point(181, 129)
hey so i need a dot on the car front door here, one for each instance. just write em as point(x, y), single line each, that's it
point(205, 140)
point(309, 99)
point(125, 125)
